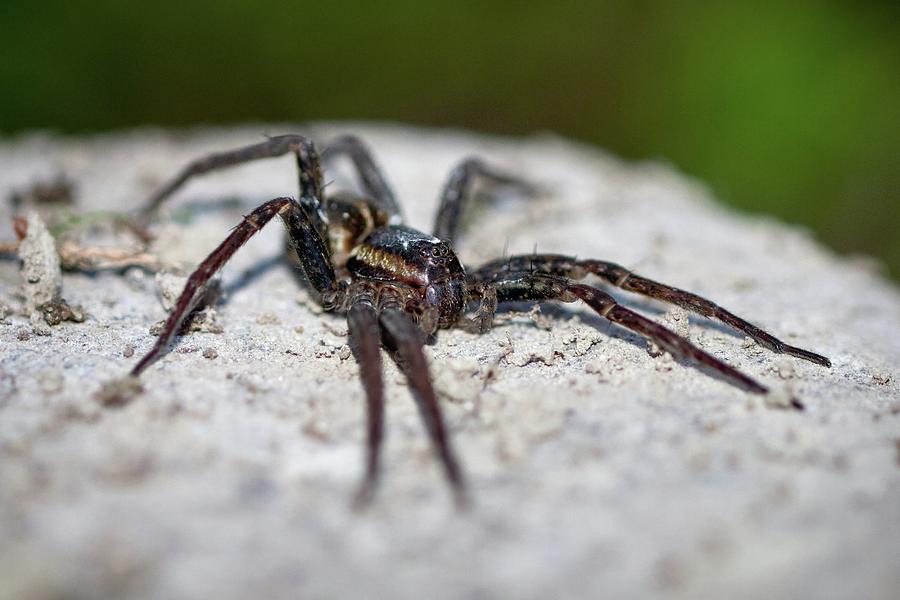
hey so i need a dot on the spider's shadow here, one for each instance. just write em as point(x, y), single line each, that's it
point(251, 275)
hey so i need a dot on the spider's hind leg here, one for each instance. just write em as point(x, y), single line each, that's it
point(530, 285)
point(370, 176)
point(458, 190)
point(569, 267)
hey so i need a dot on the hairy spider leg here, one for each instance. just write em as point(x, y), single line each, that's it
point(309, 245)
point(458, 190)
point(531, 285)
point(371, 178)
point(570, 267)
point(403, 339)
point(365, 342)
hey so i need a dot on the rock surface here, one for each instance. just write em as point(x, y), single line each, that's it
point(597, 467)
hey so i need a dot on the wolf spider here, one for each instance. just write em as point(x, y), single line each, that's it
point(398, 285)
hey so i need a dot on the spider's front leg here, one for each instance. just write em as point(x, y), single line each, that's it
point(377, 315)
point(531, 285)
point(304, 219)
point(365, 342)
point(303, 222)
point(403, 339)
point(570, 267)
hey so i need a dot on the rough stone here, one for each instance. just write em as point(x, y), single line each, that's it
point(594, 471)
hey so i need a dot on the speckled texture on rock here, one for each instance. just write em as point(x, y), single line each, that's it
point(596, 468)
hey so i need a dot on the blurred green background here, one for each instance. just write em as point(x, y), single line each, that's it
point(787, 108)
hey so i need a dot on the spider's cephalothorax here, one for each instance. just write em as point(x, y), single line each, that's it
point(394, 283)
point(398, 254)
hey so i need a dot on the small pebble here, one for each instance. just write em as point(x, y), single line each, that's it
point(267, 319)
point(210, 353)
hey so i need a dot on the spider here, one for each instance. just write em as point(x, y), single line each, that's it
point(398, 286)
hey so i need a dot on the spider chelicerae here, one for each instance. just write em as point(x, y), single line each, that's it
point(398, 286)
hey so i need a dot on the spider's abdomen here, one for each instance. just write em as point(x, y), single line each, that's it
point(402, 255)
